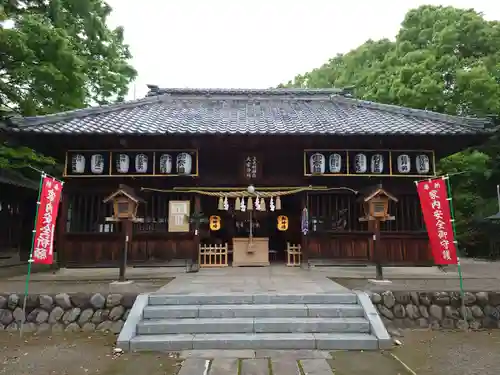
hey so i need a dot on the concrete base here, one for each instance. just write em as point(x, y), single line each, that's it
point(379, 282)
point(123, 286)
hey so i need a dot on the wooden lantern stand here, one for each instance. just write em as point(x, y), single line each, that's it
point(125, 204)
point(376, 206)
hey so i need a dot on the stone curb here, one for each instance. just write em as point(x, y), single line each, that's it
point(376, 325)
point(129, 329)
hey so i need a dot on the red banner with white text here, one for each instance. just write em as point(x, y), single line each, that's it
point(435, 205)
point(43, 241)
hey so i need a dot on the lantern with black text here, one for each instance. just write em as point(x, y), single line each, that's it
point(282, 223)
point(214, 222)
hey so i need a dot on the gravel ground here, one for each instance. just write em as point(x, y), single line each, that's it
point(425, 352)
point(429, 285)
point(77, 355)
point(451, 353)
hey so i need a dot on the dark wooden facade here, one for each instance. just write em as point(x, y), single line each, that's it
point(84, 237)
point(17, 215)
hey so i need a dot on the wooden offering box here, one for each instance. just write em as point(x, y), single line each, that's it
point(248, 252)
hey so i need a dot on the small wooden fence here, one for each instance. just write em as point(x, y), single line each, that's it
point(213, 256)
point(293, 254)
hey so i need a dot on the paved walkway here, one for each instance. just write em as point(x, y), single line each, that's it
point(252, 280)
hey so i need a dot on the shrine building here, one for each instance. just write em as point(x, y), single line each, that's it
point(233, 177)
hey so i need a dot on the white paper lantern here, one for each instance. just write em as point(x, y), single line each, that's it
point(165, 164)
point(184, 163)
point(97, 164)
point(317, 163)
point(78, 164)
point(141, 163)
point(360, 163)
point(122, 163)
point(422, 164)
point(377, 163)
point(335, 163)
point(404, 163)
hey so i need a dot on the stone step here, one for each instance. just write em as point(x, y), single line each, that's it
point(255, 341)
point(252, 311)
point(235, 299)
point(251, 325)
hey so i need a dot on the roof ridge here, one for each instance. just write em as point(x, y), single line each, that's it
point(155, 90)
point(472, 122)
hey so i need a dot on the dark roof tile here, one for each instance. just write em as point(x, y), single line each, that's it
point(237, 111)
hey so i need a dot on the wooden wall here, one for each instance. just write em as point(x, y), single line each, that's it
point(85, 239)
point(17, 216)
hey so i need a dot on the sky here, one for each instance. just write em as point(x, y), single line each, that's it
point(252, 43)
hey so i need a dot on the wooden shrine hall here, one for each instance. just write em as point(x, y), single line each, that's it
point(245, 177)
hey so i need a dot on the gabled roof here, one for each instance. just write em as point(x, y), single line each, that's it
point(126, 191)
point(238, 111)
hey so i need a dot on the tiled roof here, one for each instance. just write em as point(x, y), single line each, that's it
point(237, 111)
point(12, 177)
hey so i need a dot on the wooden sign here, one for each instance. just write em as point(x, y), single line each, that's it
point(282, 223)
point(215, 223)
point(131, 163)
point(251, 166)
point(178, 216)
point(370, 163)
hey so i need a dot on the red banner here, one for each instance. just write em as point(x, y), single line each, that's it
point(435, 205)
point(43, 242)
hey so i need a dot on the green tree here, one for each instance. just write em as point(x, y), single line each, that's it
point(55, 56)
point(443, 59)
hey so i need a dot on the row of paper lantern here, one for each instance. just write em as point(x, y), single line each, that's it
point(317, 163)
point(259, 204)
point(184, 163)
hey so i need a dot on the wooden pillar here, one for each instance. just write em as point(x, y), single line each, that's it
point(196, 241)
point(62, 221)
point(304, 243)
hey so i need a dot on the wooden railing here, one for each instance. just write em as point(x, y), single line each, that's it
point(293, 254)
point(213, 256)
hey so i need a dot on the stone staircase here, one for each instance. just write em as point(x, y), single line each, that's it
point(327, 321)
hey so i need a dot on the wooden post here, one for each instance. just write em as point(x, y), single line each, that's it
point(376, 250)
point(304, 243)
point(196, 249)
point(127, 227)
point(62, 222)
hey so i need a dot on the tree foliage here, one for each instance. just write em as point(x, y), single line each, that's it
point(58, 55)
point(443, 59)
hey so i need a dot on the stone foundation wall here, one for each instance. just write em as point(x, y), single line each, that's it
point(65, 312)
point(438, 309)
